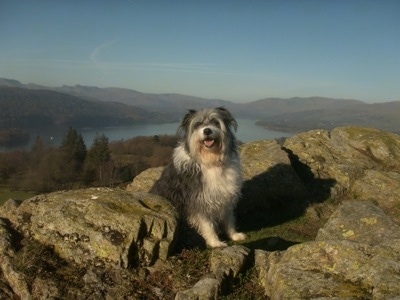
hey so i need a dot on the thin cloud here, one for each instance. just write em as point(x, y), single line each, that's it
point(93, 56)
point(105, 67)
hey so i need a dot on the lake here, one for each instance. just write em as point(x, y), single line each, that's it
point(247, 131)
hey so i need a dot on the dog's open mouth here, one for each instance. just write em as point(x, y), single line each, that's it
point(208, 143)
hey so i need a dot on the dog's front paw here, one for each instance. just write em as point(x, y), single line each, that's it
point(217, 244)
point(238, 236)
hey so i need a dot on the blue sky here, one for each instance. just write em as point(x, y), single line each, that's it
point(234, 50)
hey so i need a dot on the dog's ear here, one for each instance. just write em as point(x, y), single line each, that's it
point(228, 119)
point(185, 121)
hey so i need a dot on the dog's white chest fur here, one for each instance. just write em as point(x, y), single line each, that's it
point(221, 181)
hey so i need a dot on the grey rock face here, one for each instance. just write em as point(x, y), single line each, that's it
point(361, 222)
point(15, 279)
point(145, 180)
point(345, 154)
point(344, 261)
point(226, 265)
point(267, 173)
point(100, 226)
point(205, 289)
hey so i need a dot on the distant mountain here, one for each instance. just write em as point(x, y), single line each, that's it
point(294, 114)
point(276, 106)
point(27, 108)
point(384, 116)
point(174, 105)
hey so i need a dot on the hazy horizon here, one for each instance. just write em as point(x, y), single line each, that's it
point(231, 50)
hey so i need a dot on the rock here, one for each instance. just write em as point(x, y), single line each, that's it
point(15, 279)
point(343, 262)
point(359, 221)
point(205, 289)
point(45, 289)
point(145, 180)
point(382, 187)
point(267, 173)
point(227, 263)
point(100, 226)
point(343, 155)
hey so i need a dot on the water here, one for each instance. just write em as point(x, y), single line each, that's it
point(247, 131)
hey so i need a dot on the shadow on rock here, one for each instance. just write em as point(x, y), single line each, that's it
point(189, 238)
point(270, 244)
point(280, 194)
point(319, 189)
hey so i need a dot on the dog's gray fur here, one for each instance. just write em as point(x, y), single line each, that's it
point(204, 179)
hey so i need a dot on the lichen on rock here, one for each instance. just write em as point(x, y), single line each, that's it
point(100, 226)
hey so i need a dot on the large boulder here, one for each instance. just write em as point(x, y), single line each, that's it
point(343, 155)
point(382, 187)
point(355, 256)
point(98, 226)
point(360, 163)
point(267, 174)
point(15, 279)
point(145, 180)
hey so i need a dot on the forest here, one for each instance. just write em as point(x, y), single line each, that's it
point(72, 165)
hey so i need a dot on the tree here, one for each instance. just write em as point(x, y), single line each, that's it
point(71, 158)
point(98, 161)
point(74, 148)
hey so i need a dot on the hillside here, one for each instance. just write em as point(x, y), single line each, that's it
point(276, 106)
point(119, 106)
point(27, 108)
point(385, 116)
point(171, 104)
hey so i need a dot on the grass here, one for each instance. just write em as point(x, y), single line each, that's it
point(7, 193)
point(246, 287)
point(161, 281)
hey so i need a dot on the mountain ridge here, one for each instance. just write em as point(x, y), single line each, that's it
point(293, 114)
point(26, 108)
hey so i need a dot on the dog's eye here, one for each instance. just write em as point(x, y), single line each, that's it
point(215, 122)
point(197, 125)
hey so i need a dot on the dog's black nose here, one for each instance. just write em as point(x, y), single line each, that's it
point(207, 131)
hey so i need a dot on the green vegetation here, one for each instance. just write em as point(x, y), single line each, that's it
point(6, 193)
point(45, 168)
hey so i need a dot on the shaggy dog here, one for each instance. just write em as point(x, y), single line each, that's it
point(204, 179)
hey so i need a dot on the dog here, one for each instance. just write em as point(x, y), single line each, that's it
point(204, 180)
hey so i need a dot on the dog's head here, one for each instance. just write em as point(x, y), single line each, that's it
point(209, 133)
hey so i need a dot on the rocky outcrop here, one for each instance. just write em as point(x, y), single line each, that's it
point(357, 162)
point(15, 279)
point(108, 238)
point(356, 255)
point(145, 180)
point(225, 266)
point(98, 226)
point(267, 174)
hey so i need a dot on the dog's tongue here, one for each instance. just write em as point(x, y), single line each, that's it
point(208, 143)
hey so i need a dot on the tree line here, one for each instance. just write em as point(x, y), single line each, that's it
point(72, 165)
